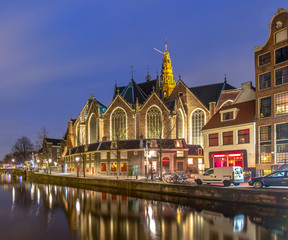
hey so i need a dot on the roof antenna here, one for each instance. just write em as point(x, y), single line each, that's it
point(225, 80)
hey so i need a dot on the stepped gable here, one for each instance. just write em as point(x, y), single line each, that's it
point(210, 93)
point(245, 114)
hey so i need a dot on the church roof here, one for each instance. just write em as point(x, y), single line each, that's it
point(211, 92)
point(136, 90)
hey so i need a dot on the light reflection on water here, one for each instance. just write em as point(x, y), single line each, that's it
point(70, 213)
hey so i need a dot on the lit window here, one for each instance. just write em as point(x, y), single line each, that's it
point(118, 124)
point(154, 123)
point(113, 167)
point(281, 103)
point(103, 155)
point(103, 167)
point(123, 167)
point(265, 80)
point(180, 154)
point(190, 160)
point(265, 107)
point(281, 75)
point(198, 121)
point(123, 154)
point(243, 136)
point(282, 143)
point(265, 144)
point(281, 36)
point(281, 54)
point(264, 59)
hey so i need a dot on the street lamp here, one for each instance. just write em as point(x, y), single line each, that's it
point(77, 159)
point(50, 160)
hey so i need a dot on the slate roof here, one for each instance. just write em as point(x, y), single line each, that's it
point(193, 149)
point(211, 92)
point(246, 114)
point(136, 90)
point(129, 144)
point(170, 105)
point(54, 141)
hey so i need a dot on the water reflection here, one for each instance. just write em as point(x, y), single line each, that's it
point(99, 215)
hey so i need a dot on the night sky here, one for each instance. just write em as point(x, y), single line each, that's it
point(53, 53)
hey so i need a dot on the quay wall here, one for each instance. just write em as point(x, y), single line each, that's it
point(261, 197)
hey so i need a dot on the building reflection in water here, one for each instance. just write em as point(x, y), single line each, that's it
point(99, 215)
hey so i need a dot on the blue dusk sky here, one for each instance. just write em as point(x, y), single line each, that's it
point(53, 53)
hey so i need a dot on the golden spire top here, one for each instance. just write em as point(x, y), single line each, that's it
point(165, 39)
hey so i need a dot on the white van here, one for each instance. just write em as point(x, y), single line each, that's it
point(225, 175)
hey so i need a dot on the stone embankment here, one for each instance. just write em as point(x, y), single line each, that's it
point(261, 197)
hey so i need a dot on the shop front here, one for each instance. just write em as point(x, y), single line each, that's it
point(228, 159)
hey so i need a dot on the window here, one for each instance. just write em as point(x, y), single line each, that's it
point(227, 138)
point(265, 107)
point(113, 166)
point(243, 136)
point(276, 174)
point(190, 160)
point(113, 154)
point(123, 154)
point(92, 156)
point(281, 54)
point(282, 143)
point(123, 166)
point(265, 144)
point(281, 101)
point(180, 125)
point(209, 172)
point(264, 59)
point(180, 153)
point(265, 80)
point(281, 75)
point(198, 121)
point(227, 116)
point(213, 139)
point(154, 123)
point(93, 129)
point(103, 167)
point(118, 124)
point(281, 36)
point(103, 155)
point(88, 157)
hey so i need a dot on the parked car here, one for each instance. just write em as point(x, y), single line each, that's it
point(225, 175)
point(277, 178)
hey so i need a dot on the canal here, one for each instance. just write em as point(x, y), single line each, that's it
point(38, 211)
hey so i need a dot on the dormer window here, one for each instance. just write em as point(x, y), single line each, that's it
point(229, 114)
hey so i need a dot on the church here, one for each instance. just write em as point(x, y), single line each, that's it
point(148, 126)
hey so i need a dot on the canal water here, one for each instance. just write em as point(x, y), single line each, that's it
point(38, 211)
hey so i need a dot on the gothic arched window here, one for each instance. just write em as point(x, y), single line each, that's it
point(118, 124)
point(198, 121)
point(180, 123)
point(93, 130)
point(154, 123)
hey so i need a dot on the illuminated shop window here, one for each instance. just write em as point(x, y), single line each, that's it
point(281, 101)
point(113, 166)
point(265, 144)
point(123, 166)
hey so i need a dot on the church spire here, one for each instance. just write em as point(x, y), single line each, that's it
point(167, 81)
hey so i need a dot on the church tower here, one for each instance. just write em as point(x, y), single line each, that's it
point(167, 81)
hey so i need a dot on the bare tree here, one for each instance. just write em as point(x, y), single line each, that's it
point(23, 147)
point(39, 141)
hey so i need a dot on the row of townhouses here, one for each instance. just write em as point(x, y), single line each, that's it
point(161, 123)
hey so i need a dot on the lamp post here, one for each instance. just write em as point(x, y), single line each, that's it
point(50, 160)
point(77, 159)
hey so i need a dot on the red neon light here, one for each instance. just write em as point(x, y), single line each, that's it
point(235, 154)
point(219, 155)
